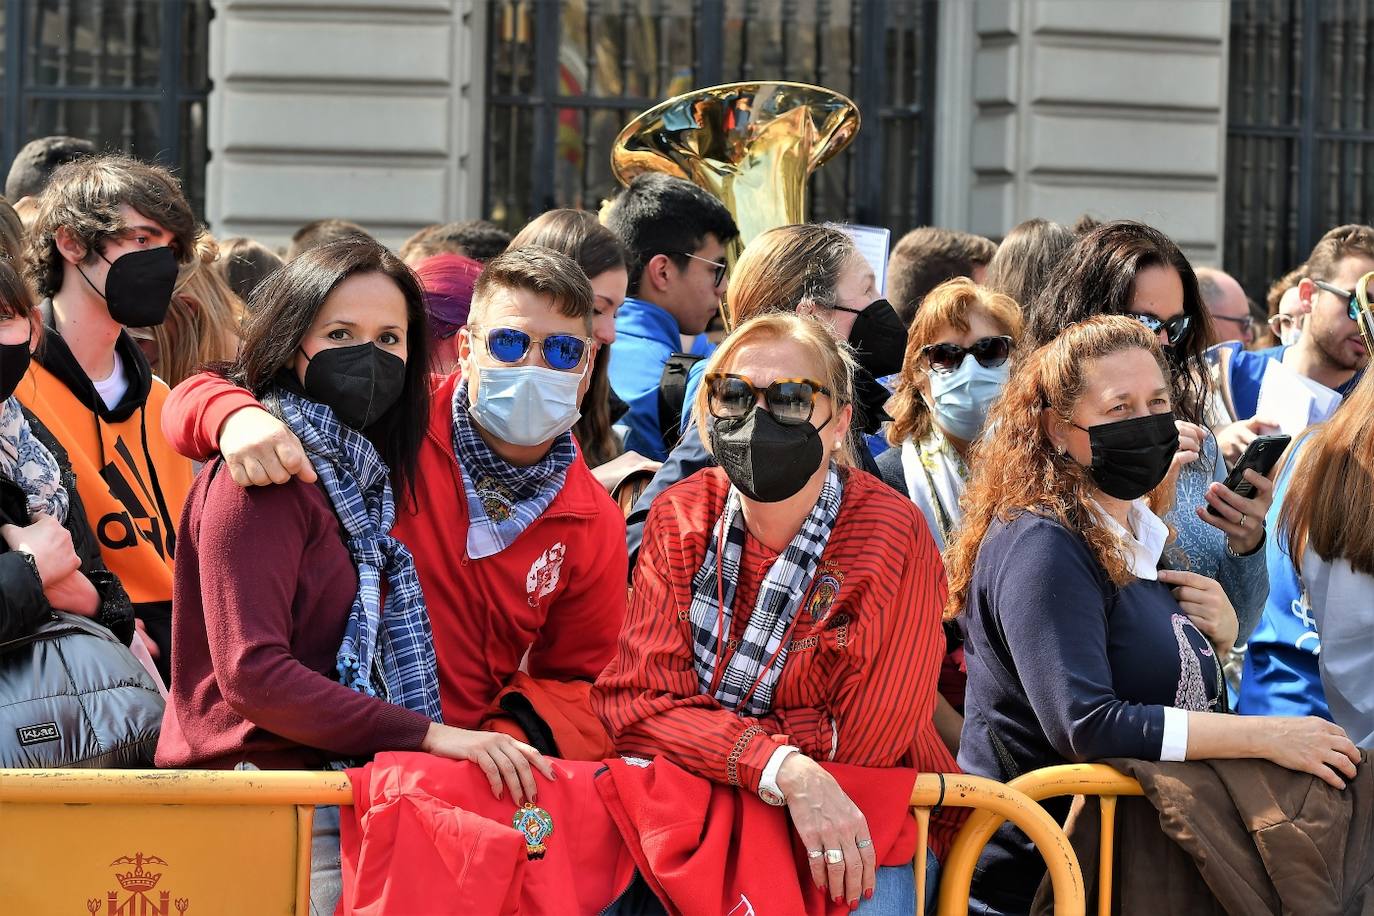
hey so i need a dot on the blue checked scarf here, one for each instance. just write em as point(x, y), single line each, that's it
point(384, 653)
point(780, 596)
point(25, 460)
point(503, 499)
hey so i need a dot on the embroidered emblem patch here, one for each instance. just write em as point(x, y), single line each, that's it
point(823, 595)
point(537, 826)
point(544, 574)
point(496, 499)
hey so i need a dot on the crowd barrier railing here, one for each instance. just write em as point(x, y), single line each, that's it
point(998, 802)
point(116, 842)
point(165, 842)
point(1051, 782)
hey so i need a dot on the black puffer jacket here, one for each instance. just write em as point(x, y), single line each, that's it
point(22, 603)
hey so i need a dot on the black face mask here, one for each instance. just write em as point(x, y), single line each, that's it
point(765, 460)
point(1131, 457)
point(138, 286)
point(14, 362)
point(878, 337)
point(359, 383)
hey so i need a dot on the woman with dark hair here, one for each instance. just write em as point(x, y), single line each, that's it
point(318, 648)
point(1129, 268)
point(1084, 642)
point(244, 263)
point(1026, 258)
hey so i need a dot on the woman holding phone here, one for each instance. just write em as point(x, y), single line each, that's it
point(1129, 268)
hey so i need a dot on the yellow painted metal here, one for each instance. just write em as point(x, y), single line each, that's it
point(1050, 782)
point(1104, 855)
point(1004, 803)
point(159, 843)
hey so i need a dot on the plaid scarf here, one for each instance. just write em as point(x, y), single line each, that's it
point(387, 653)
point(780, 595)
point(24, 460)
point(503, 500)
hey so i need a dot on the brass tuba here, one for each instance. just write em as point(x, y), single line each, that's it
point(1364, 311)
point(752, 145)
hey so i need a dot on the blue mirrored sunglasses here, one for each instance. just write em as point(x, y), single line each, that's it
point(563, 352)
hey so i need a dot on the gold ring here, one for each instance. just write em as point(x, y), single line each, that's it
point(1242, 519)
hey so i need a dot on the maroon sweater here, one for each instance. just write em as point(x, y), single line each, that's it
point(263, 586)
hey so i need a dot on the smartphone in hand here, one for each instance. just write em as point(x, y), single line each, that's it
point(1260, 457)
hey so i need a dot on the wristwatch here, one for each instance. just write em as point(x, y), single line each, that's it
point(768, 780)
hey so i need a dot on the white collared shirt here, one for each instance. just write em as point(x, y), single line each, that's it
point(1145, 541)
point(1144, 547)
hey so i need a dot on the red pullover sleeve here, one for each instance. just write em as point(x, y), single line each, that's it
point(649, 696)
point(196, 410)
point(259, 626)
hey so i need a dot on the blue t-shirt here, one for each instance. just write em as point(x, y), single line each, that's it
point(645, 336)
point(1247, 373)
point(1064, 667)
point(1281, 676)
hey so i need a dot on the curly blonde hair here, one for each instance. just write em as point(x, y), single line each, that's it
point(1018, 469)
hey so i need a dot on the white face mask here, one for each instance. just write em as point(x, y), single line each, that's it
point(526, 405)
point(1290, 335)
point(961, 398)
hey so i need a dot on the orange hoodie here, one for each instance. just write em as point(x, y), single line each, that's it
point(132, 484)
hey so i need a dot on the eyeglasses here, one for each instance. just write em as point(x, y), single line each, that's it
point(1247, 324)
point(990, 352)
point(720, 266)
point(1351, 307)
point(563, 352)
point(790, 401)
point(1279, 323)
point(1174, 329)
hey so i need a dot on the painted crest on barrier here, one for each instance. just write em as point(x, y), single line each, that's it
point(139, 893)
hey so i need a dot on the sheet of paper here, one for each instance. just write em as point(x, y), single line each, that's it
point(873, 243)
point(1293, 401)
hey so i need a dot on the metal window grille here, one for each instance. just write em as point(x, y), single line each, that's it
point(1300, 137)
point(565, 77)
point(129, 75)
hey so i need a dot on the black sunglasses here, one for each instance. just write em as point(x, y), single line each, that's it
point(945, 358)
point(790, 401)
point(563, 352)
point(1174, 329)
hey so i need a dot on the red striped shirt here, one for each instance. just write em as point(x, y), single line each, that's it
point(859, 683)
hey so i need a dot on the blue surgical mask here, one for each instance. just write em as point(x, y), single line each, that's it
point(961, 398)
point(526, 405)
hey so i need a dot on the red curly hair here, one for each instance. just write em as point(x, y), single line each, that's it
point(1018, 469)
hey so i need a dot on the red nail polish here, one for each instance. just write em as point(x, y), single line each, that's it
point(853, 905)
point(839, 899)
point(868, 894)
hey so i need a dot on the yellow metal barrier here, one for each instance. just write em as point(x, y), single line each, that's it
point(159, 842)
point(184, 842)
point(1050, 782)
point(999, 802)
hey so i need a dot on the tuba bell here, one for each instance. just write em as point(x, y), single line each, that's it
point(1364, 310)
point(752, 145)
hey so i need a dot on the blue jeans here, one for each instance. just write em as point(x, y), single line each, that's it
point(894, 889)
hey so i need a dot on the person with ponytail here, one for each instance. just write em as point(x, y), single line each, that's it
point(1082, 642)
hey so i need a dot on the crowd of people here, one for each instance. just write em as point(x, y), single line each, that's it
point(517, 500)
